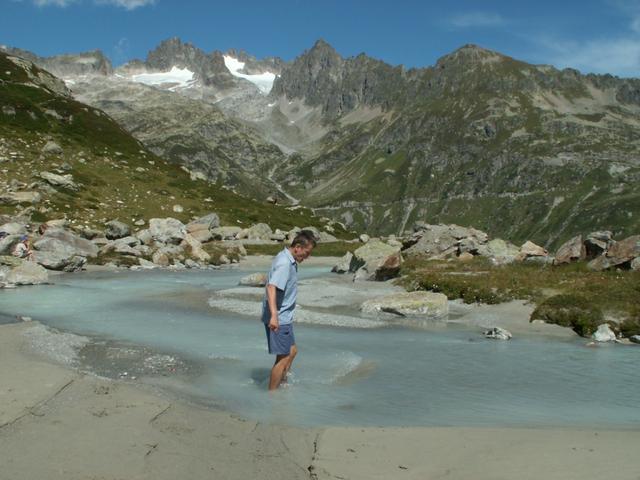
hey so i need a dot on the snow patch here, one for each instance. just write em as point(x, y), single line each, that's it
point(182, 77)
point(264, 81)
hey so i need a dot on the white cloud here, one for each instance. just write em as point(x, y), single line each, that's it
point(55, 3)
point(477, 19)
point(618, 56)
point(126, 4)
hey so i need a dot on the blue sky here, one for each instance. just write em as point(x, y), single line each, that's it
point(601, 36)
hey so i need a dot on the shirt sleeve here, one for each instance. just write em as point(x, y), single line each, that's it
point(279, 275)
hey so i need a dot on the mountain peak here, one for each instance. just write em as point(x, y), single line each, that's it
point(470, 53)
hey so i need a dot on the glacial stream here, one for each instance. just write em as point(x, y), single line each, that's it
point(157, 326)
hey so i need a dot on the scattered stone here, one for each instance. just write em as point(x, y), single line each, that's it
point(224, 260)
point(65, 181)
point(604, 334)
point(65, 243)
point(254, 280)
point(497, 333)
point(178, 208)
point(139, 223)
point(364, 238)
point(635, 338)
point(52, 148)
point(420, 303)
point(20, 198)
point(635, 264)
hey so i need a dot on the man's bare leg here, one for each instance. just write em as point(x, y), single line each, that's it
point(292, 354)
point(278, 371)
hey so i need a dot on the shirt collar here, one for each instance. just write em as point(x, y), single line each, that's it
point(289, 256)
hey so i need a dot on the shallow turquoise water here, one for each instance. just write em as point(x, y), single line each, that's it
point(389, 376)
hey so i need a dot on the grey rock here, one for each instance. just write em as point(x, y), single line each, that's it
point(13, 228)
point(635, 338)
point(28, 273)
point(596, 243)
point(167, 230)
point(604, 334)
point(375, 261)
point(116, 229)
point(343, 264)
point(210, 220)
point(423, 304)
point(635, 264)
point(8, 243)
point(225, 233)
point(52, 148)
point(146, 264)
point(65, 242)
point(571, 251)
point(65, 181)
point(20, 198)
point(260, 231)
point(497, 333)
point(254, 280)
point(364, 238)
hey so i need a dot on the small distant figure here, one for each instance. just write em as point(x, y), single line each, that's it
point(22, 249)
point(280, 302)
point(42, 228)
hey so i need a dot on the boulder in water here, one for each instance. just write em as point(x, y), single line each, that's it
point(254, 280)
point(604, 334)
point(424, 304)
point(497, 333)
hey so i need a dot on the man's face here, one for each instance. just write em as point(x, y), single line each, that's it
point(301, 253)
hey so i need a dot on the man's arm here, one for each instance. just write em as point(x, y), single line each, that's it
point(273, 307)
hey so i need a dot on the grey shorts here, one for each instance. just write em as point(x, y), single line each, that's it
point(280, 342)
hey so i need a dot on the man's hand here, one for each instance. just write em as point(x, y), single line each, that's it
point(273, 323)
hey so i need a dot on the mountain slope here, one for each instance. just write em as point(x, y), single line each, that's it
point(522, 151)
point(109, 174)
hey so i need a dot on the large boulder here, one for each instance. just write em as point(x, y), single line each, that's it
point(435, 240)
point(167, 230)
point(63, 242)
point(624, 251)
point(225, 233)
point(116, 229)
point(52, 148)
point(28, 273)
point(65, 181)
point(604, 334)
point(259, 231)
point(571, 251)
point(530, 249)
point(8, 243)
point(210, 221)
point(499, 251)
point(13, 228)
point(19, 198)
point(195, 248)
point(254, 280)
point(596, 243)
point(376, 261)
point(423, 304)
point(59, 260)
point(343, 264)
point(497, 333)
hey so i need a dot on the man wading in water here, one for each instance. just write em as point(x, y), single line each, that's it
point(280, 302)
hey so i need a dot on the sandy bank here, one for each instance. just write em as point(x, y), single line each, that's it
point(56, 423)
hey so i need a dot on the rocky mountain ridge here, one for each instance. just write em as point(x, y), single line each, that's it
point(520, 150)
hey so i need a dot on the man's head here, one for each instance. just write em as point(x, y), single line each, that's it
point(302, 245)
point(24, 238)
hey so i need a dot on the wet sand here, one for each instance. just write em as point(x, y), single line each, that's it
point(59, 423)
